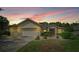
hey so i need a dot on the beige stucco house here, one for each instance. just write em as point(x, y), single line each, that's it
point(27, 28)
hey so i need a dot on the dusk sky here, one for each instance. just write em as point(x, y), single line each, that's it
point(41, 14)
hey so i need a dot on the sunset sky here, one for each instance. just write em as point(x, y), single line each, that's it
point(41, 14)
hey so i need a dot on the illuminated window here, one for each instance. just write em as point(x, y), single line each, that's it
point(44, 30)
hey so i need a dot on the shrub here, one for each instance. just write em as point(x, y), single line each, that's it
point(66, 35)
point(45, 34)
point(73, 37)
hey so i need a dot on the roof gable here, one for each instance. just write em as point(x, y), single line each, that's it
point(29, 20)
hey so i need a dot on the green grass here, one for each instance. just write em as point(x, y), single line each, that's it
point(71, 46)
point(42, 46)
point(51, 46)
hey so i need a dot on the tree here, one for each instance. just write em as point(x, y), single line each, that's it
point(58, 24)
point(4, 26)
point(1, 9)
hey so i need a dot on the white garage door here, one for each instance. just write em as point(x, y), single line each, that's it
point(29, 32)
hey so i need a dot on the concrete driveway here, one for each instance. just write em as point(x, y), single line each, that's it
point(13, 45)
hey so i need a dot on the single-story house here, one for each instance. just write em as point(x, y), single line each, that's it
point(27, 28)
point(30, 28)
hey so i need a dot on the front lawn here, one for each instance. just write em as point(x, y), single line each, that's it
point(43, 46)
point(71, 46)
point(51, 46)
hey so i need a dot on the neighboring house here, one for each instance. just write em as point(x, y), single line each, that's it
point(76, 30)
point(27, 28)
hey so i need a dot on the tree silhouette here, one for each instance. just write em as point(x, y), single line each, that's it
point(4, 26)
point(1, 9)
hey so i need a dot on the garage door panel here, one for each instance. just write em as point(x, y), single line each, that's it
point(29, 33)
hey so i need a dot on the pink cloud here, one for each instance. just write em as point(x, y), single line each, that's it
point(69, 18)
point(71, 15)
point(51, 13)
point(17, 16)
point(34, 17)
point(37, 17)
